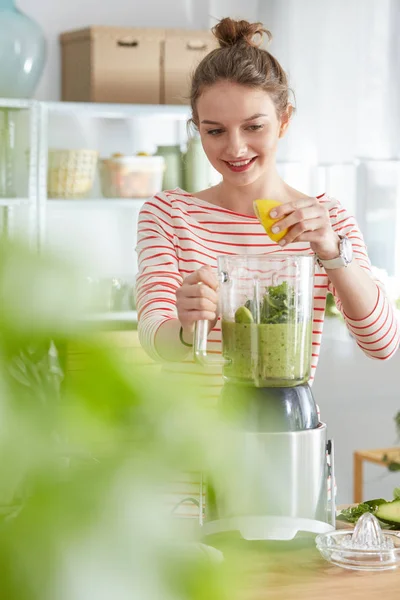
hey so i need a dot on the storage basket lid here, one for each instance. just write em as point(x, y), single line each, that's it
point(141, 163)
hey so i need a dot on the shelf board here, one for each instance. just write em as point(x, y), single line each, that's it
point(113, 317)
point(97, 202)
point(16, 103)
point(10, 202)
point(120, 111)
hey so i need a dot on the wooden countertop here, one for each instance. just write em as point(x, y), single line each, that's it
point(302, 574)
point(290, 571)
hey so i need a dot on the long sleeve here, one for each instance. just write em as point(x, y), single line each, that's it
point(158, 275)
point(377, 334)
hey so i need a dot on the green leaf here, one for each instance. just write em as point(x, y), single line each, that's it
point(394, 466)
point(396, 493)
point(374, 503)
point(275, 304)
point(352, 514)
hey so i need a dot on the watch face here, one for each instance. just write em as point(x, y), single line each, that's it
point(346, 250)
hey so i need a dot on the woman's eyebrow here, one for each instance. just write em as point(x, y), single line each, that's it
point(256, 116)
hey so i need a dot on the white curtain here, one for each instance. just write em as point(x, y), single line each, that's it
point(343, 62)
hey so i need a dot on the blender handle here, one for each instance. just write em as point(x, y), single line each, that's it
point(200, 347)
point(331, 474)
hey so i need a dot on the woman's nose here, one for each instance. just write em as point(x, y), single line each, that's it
point(236, 145)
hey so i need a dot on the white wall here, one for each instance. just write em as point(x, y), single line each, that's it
point(358, 399)
point(56, 17)
point(343, 62)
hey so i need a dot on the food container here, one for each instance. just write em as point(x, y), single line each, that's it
point(131, 176)
point(71, 173)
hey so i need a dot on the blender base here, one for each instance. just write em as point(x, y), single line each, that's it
point(256, 528)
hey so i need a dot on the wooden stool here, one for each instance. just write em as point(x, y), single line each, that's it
point(373, 456)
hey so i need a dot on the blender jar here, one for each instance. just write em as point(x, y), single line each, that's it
point(266, 306)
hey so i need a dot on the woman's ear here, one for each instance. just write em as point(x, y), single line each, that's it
point(285, 120)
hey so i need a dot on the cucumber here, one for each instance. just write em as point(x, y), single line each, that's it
point(389, 512)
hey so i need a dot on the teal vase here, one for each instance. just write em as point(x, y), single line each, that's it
point(22, 52)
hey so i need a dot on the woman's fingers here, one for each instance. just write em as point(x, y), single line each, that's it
point(198, 304)
point(197, 298)
point(198, 291)
point(298, 216)
point(302, 229)
point(278, 212)
point(203, 275)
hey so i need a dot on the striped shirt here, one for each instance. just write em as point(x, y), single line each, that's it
point(179, 233)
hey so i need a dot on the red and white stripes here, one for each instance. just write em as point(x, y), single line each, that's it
point(178, 233)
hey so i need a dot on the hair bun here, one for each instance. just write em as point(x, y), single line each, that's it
point(230, 32)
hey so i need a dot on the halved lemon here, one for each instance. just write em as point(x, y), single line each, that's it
point(262, 208)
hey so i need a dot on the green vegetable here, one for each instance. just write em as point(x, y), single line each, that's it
point(352, 514)
point(389, 512)
point(275, 304)
point(243, 315)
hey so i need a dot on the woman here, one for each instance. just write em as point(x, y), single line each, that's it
point(240, 105)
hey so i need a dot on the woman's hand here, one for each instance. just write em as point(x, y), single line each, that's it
point(197, 299)
point(307, 221)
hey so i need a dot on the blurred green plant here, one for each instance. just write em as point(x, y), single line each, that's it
point(86, 457)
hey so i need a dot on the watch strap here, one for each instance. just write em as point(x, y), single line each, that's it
point(333, 263)
point(339, 261)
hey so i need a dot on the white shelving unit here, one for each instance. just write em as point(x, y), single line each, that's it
point(83, 125)
point(96, 203)
point(21, 211)
point(107, 128)
point(90, 116)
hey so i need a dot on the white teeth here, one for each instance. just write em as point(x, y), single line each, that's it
point(240, 163)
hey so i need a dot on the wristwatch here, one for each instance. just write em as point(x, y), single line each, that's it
point(345, 255)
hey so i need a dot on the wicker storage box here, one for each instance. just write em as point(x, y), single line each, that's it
point(130, 65)
point(71, 173)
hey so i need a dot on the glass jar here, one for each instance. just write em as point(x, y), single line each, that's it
point(173, 176)
point(7, 153)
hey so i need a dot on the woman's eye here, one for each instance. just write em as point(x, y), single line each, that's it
point(255, 127)
point(214, 131)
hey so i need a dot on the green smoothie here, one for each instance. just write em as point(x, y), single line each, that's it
point(267, 355)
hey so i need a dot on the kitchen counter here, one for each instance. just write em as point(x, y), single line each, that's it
point(301, 573)
point(112, 321)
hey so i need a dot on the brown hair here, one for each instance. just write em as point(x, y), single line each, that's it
point(241, 60)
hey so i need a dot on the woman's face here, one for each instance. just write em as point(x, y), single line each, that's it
point(239, 129)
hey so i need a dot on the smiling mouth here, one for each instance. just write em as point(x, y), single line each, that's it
point(240, 165)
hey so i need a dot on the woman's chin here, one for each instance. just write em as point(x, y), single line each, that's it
point(241, 179)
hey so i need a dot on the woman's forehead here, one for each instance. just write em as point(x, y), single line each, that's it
point(226, 101)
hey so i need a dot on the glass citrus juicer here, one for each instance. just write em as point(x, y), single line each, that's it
point(280, 447)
